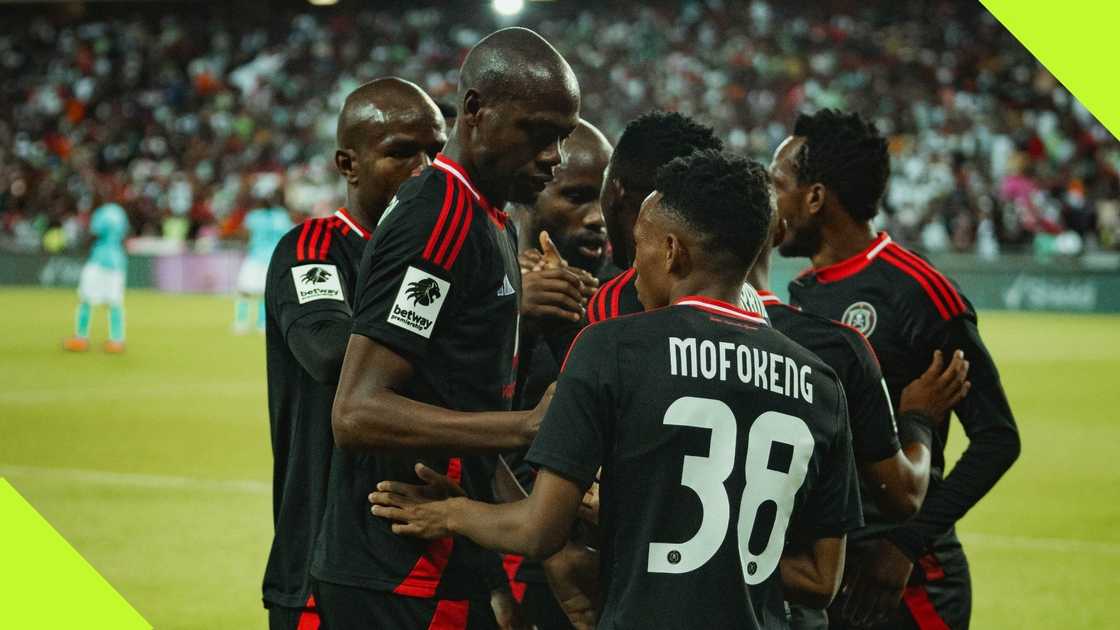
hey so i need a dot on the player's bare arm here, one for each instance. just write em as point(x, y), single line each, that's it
point(898, 484)
point(811, 575)
point(370, 415)
point(537, 526)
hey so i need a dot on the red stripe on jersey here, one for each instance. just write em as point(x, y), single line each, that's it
point(511, 562)
point(450, 615)
point(423, 579)
point(315, 237)
point(453, 229)
point(922, 610)
point(626, 278)
point(913, 273)
point(448, 195)
point(462, 237)
point(302, 239)
point(596, 312)
point(952, 297)
point(326, 246)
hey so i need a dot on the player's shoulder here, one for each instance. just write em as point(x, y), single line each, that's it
point(308, 241)
point(615, 297)
point(918, 287)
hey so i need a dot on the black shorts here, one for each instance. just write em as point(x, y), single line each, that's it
point(283, 618)
point(352, 608)
point(938, 596)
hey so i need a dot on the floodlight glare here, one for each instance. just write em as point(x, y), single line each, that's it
point(508, 8)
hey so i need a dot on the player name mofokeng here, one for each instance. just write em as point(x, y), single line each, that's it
point(760, 368)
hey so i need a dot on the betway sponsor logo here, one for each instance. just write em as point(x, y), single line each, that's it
point(410, 318)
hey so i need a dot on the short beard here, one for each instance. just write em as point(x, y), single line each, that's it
point(802, 243)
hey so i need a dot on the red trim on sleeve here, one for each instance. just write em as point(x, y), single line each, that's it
point(922, 610)
point(597, 308)
point(462, 237)
point(326, 246)
point(315, 237)
point(952, 297)
point(448, 195)
point(453, 228)
point(916, 275)
point(626, 278)
point(423, 579)
point(450, 615)
point(302, 239)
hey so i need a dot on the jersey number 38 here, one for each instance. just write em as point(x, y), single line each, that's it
point(779, 447)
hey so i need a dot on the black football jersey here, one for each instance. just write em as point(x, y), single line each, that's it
point(438, 284)
point(310, 279)
point(907, 309)
point(847, 352)
point(719, 441)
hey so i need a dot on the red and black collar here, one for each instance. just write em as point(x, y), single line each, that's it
point(449, 166)
point(719, 307)
point(855, 264)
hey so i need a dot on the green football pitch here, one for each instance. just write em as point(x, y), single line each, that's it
point(156, 466)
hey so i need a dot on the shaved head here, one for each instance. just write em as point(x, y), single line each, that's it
point(385, 101)
point(387, 129)
point(516, 63)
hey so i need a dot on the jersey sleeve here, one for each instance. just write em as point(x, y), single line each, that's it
point(417, 270)
point(572, 437)
point(307, 297)
point(833, 506)
point(874, 433)
point(993, 444)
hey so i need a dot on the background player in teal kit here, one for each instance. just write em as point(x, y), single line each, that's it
point(102, 279)
point(266, 226)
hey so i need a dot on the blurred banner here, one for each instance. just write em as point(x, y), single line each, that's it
point(1017, 283)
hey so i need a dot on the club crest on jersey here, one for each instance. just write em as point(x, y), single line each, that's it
point(862, 317)
point(317, 282)
point(419, 300)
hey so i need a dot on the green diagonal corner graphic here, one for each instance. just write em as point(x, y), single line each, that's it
point(45, 583)
point(1076, 42)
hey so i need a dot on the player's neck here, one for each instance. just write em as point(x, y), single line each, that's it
point(493, 193)
point(709, 287)
point(366, 219)
point(841, 240)
point(759, 275)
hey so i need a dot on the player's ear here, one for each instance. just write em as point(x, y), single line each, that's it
point(346, 161)
point(676, 255)
point(471, 106)
point(814, 197)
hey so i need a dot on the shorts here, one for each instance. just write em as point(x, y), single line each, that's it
point(284, 618)
point(938, 596)
point(251, 278)
point(101, 285)
point(351, 608)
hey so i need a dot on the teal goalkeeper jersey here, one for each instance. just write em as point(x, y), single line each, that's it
point(109, 227)
point(266, 227)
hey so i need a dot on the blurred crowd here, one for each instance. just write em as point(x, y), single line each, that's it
point(193, 117)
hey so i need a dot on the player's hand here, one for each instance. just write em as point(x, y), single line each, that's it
point(534, 417)
point(874, 589)
point(530, 260)
point(417, 510)
point(551, 257)
point(589, 505)
point(938, 390)
point(573, 575)
point(556, 293)
point(506, 611)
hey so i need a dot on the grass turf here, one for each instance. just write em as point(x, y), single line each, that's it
point(155, 464)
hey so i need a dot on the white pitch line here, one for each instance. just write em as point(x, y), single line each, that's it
point(136, 480)
point(248, 486)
